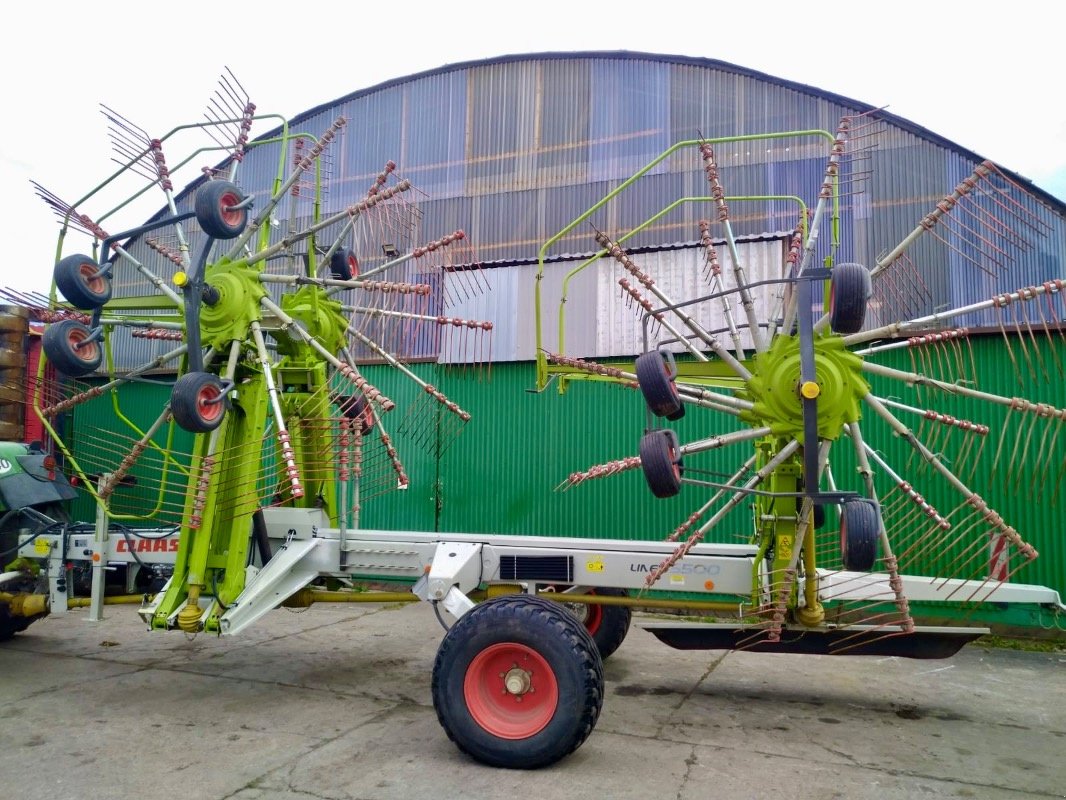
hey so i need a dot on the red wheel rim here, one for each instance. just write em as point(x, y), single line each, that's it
point(86, 353)
point(92, 281)
point(673, 386)
point(510, 691)
point(231, 216)
point(594, 618)
point(207, 406)
point(843, 536)
point(353, 264)
point(367, 419)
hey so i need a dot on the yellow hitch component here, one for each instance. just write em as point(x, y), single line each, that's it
point(189, 617)
point(25, 605)
point(810, 389)
point(180, 279)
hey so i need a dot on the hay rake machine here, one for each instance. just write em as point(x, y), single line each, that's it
point(787, 362)
point(274, 324)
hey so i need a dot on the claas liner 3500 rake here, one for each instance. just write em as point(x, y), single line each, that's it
point(272, 329)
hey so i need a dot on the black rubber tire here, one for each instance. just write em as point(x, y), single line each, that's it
point(657, 386)
point(859, 534)
point(817, 511)
point(76, 278)
point(849, 292)
point(560, 642)
point(59, 344)
point(343, 264)
point(9, 625)
point(192, 402)
point(661, 462)
point(358, 408)
point(819, 517)
point(607, 625)
point(214, 213)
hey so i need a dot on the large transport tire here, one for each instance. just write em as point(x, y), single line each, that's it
point(518, 682)
point(607, 625)
point(343, 264)
point(859, 533)
point(60, 343)
point(849, 292)
point(197, 403)
point(655, 376)
point(660, 458)
point(78, 278)
point(215, 211)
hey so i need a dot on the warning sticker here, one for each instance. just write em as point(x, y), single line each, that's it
point(41, 546)
point(594, 565)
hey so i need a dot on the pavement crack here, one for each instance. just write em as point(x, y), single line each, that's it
point(894, 772)
point(283, 771)
point(684, 698)
point(713, 666)
point(690, 762)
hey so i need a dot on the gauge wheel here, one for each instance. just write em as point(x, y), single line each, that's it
point(216, 212)
point(80, 281)
point(660, 459)
point(655, 377)
point(197, 402)
point(859, 532)
point(70, 348)
point(343, 264)
point(849, 292)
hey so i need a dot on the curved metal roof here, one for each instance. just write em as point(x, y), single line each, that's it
point(707, 63)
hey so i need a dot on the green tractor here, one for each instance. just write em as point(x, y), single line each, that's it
point(33, 491)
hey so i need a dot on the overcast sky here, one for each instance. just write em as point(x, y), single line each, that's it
point(983, 75)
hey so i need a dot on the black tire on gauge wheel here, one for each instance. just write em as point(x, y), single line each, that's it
point(216, 210)
point(660, 458)
point(859, 533)
point(517, 682)
point(849, 292)
point(197, 402)
point(656, 381)
point(358, 408)
point(70, 348)
point(343, 264)
point(79, 280)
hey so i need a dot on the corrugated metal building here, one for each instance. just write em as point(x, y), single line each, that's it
point(513, 149)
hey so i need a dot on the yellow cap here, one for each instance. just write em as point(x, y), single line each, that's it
point(810, 389)
point(180, 278)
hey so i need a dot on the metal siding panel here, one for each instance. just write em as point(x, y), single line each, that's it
point(497, 304)
point(680, 275)
point(505, 478)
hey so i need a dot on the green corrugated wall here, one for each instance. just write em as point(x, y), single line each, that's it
point(500, 475)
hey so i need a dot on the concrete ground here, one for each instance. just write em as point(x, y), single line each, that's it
point(334, 702)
